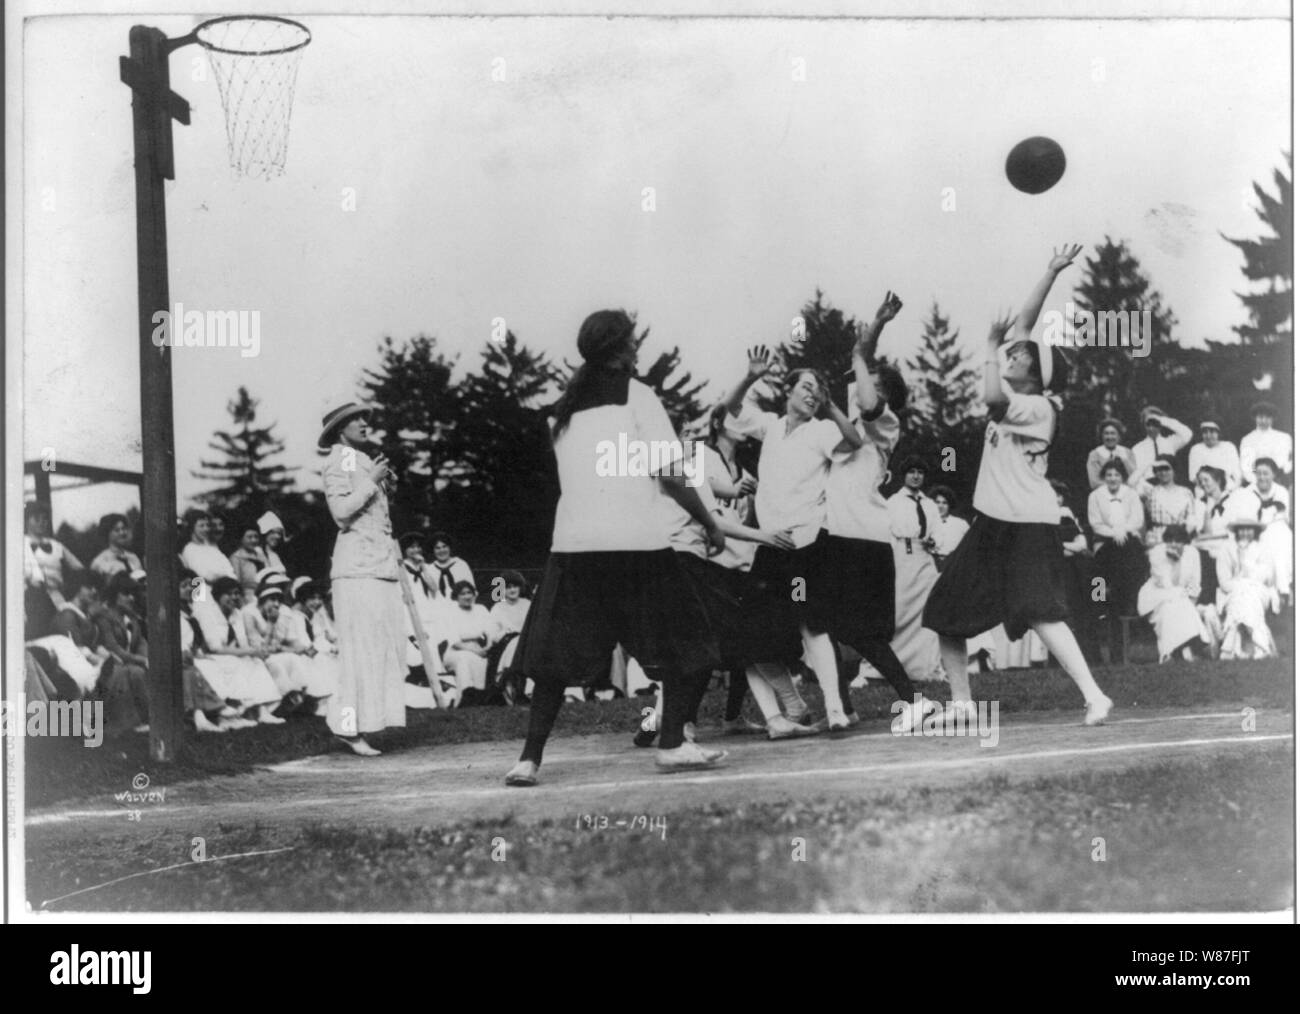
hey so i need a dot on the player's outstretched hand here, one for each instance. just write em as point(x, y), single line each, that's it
point(998, 329)
point(1064, 257)
point(889, 308)
point(760, 356)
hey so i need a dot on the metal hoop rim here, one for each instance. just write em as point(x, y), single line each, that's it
point(250, 52)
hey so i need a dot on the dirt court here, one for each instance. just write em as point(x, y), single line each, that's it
point(606, 775)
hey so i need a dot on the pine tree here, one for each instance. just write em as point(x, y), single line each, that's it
point(679, 396)
point(251, 481)
point(414, 408)
point(1261, 364)
point(827, 343)
point(1268, 259)
point(943, 422)
point(502, 445)
point(947, 389)
point(1113, 381)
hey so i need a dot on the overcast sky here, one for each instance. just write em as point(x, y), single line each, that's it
point(523, 198)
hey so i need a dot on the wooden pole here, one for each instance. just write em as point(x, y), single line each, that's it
point(427, 655)
point(153, 107)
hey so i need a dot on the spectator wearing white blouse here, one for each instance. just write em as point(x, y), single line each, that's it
point(1116, 518)
point(1166, 502)
point(1216, 453)
point(233, 666)
point(46, 561)
point(469, 634)
point(1168, 597)
point(508, 615)
point(204, 557)
point(116, 531)
point(1210, 528)
point(1165, 436)
point(1247, 592)
point(1265, 442)
point(1269, 503)
point(248, 562)
point(950, 529)
point(448, 569)
point(1109, 432)
point(271, 529)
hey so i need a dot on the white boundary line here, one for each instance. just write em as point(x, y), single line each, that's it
point(316, 763)
point(663, 781)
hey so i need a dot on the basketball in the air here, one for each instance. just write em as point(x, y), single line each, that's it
point(1035, 164)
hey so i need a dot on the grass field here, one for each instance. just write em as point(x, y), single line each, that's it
point(62, 769)
point(1157, 831)
point(1185, 835)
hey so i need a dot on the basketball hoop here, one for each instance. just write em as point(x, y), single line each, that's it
point(255, 60)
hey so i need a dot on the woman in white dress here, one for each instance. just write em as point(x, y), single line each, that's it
point(913, 519)
point(508, 615)
point(1168, 597)
point(227, 661)
point(368, 607)
point(1247, 590)
point(1269, 503)
point(299, 635)
point(469, 633)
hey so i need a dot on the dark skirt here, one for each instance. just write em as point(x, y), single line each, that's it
point(1123, 569)
point(589, 602)
point(735, 607)
point(1001, 572)
point(789, 588)
point(856, 590)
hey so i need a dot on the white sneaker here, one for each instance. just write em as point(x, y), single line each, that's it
point(963, 710)
point(264, 717)
point(687, 757)
point(523, 775)
point(781, 727)
point(837, 721)
point(358, 746)
point(1097, 711)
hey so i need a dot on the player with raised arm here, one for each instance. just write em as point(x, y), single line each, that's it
point(858, 562)
point(793, 468)
point(1010, 568)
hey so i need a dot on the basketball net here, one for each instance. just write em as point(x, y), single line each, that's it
point(255, 61)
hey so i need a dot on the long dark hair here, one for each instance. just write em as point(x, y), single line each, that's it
point(603, 335)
